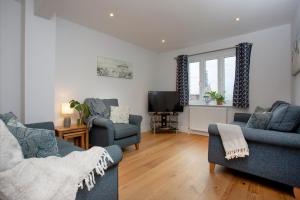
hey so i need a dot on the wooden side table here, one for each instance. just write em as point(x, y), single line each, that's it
point(74, 132)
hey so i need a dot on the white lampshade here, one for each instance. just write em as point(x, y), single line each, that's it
point(65, 109)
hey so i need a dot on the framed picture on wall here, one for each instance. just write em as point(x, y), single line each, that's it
point(114, 68)
point(296, 58)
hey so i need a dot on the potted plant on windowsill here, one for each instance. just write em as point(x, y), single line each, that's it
point(219, 98)
point(82, 109)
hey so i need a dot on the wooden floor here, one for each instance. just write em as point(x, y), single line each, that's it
point(175, 166)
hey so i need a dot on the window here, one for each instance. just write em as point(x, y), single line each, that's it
point(211, 72)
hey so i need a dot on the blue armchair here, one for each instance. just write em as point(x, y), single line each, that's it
point(105, 133)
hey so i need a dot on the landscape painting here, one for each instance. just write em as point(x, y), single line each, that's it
point(114, 68)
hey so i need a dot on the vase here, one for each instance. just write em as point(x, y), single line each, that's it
point(79, 122)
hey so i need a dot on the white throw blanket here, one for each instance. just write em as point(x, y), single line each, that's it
point(48, 178)
point(233, 141)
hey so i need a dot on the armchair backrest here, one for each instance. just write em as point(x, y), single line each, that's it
point(101, 106)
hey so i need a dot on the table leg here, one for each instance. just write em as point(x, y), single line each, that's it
point(82, 142)
point(87, 143)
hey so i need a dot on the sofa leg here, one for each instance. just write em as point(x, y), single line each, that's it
point(297, 193)
point(212, 167)
point(137, 146)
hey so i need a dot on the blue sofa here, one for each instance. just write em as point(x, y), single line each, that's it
point(273, 155)
point(107, 186)
point(105, 133)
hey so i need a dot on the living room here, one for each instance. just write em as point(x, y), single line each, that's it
point(52, 52)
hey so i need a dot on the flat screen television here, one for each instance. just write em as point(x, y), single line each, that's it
point(164, 101)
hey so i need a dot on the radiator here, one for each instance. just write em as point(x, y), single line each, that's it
point(201, 117)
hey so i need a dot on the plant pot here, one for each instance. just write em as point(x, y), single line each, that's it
point(219, 103)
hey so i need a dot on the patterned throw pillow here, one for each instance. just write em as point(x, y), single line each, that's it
point(7, 116)
point(35, 142)
point(259, 109)
point(259, 120)
point(15, 123)
point(119, 114)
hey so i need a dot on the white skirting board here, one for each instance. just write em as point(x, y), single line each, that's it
point(201, 117)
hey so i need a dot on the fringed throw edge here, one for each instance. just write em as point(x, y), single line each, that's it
point(102, 165)
point(237, 153)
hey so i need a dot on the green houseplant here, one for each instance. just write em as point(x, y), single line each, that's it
point(214, 95)
point(82, 109)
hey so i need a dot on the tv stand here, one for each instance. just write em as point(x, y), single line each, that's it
point(164, 122)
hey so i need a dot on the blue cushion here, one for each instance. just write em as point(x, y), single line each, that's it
point(7, 116)
point(276, 104)
point(285, 118)
point(35, 142)
point(125, 130)
point(259, 120)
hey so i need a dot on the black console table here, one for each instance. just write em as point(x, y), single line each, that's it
point(164, 122)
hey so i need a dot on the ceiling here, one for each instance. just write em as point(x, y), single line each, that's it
point(180, 23)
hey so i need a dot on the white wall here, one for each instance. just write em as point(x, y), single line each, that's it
point(10, 56)
point(77, 48)
point(296, 35)
point(39, 66)
point(270, 73)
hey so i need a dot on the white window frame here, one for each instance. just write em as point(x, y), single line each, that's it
point(202, 58)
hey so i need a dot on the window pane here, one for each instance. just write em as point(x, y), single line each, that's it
point(211, 75)
point(229, 68)
point(194, 80)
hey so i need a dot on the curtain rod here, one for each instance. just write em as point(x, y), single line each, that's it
point(209, 51)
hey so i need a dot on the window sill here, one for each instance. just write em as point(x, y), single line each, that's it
point(211, 105)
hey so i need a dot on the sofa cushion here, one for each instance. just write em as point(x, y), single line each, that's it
point(276, 104)
point(35, 142)
point(125, 130)
point(285, 118)
point(259, 120)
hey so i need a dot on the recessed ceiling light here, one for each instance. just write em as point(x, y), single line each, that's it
point(111, 14)
point(237, 19)
point(163, 41)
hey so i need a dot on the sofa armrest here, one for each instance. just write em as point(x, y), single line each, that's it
point(242, 117)
point(115, 153)
point(135, 120)
point(284, 139)
point(103, 122)
point(41, 125)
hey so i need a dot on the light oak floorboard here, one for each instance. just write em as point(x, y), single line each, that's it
point(175, 166)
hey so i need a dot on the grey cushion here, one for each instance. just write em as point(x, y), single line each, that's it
point(259, 120)
point(125, 130)
point(259, 109)
point(35, 142)
point(7, 116)
point(285, 118)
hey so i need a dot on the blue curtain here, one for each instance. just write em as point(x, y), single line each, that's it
point(241, 83)
point(182, 79)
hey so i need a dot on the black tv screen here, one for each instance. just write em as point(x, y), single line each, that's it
point(164, 101)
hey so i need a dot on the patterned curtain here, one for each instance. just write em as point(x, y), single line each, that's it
point(241, 83)
point(182, 79)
